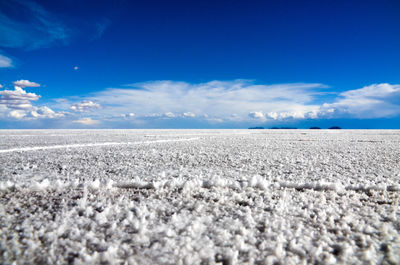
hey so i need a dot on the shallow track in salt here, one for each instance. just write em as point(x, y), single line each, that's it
point(36, 148)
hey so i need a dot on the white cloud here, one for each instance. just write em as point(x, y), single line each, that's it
point(101, 28)
point(272, 115)
point(35, 27)
point(127, 116)
point(46, 112)
point(189, 114)
point(37, 113)
point(25, 83)
point(241, 101)
point(85, 106)
point(292, 115)
point(299, 114)
point(17, 114)
point(169, 115)
point(76, 68)
point(215, 120)
point(218, 98)
point(18, 103)
point(257, 115)
point(17, 98)
point(5, 62)
point(374, 101)
point(87, 121)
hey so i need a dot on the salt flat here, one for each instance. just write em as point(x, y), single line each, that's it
point(200, 196)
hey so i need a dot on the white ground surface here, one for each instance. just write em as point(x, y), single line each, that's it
point(199, 196)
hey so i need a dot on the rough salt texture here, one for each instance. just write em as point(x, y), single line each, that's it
point(199, 197)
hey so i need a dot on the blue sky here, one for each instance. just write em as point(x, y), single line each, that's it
point(199, 64)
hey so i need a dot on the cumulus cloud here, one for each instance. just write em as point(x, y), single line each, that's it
point(42, 112)
point(17, 114)
point(257, 115)
point(373, 101)
point(189, 114)
point(128, 115)
point(25, 83)
point(272, 115)
point(169, 115)
point(87, 121)
point(18, 103)
point(17, 98)
point(85, 106)
point(5, 62)
point(300, 114)
point(46, 112)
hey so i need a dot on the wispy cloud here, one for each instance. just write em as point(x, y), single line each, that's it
point(374, 101)
point(87, 121)
point(101, 28)
point(5, 62)
point(218, 99)
point(26, 24)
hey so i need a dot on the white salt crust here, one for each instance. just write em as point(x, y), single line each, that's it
point(223, 197)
